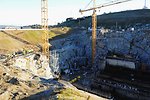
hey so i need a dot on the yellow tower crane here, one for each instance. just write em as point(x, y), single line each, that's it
point(94, 21)
point(44, 24)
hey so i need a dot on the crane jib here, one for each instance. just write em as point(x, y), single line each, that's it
point(105, 5)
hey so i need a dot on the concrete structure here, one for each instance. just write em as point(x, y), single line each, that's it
point(121, 63)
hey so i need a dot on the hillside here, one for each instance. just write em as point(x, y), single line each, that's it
point(26, 78)
point(122, 18)
point(9, 44)
point(15, 40)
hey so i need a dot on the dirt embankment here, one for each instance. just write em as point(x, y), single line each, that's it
point(11, 41)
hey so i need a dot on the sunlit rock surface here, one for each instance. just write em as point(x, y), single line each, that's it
point(39, 67)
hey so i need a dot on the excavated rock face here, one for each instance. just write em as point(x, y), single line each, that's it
point(135, 43)
point(36, 63)
point(75, 49)
point(71, 52)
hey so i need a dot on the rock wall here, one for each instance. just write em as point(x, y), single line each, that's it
point(39, 67)
point(134, 41)
point(73, 51)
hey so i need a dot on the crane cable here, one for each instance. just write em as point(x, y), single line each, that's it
point(112, 1)
point(88, 4)
point(105, 5)
point(115, 2)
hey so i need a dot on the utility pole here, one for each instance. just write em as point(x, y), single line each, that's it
point(44, 24)
point(145, 7)
point(116, 25)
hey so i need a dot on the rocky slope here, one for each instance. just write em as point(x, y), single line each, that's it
point(122, 18)
point(17, 83)
point(27, 76)
point(133, 41)
point(20, 84)
point(75, 49)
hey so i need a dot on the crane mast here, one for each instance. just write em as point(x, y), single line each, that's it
point(94, 21)
point(94, 26)
point(44, 14)
point(44, 25)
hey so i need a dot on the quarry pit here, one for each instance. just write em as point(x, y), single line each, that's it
point(120, 71)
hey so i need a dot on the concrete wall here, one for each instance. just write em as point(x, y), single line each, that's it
point(122, 63)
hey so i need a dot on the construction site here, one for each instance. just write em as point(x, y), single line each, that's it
point(95, 57)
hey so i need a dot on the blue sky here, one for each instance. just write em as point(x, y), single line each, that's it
point(25, 12)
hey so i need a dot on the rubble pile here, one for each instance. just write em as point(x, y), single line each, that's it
point(25, 75)
point(36, 63)
point(17, 83)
